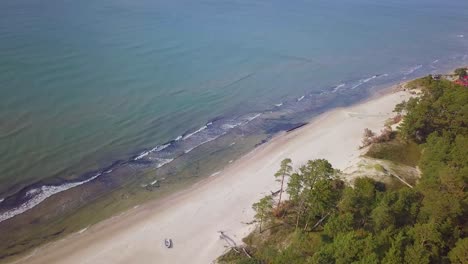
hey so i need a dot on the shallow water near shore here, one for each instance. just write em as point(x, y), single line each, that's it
point(94, 93)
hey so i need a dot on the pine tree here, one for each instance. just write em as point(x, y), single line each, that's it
point(263, 209)
point(284, 171)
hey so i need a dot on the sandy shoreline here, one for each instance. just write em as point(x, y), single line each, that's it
point(223, 201)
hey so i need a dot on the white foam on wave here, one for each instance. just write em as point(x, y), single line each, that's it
point(155, 149)
point(253, 117)
point(369, 79)
point(413, 69)
point(226, 127)
point(461, 36)
point(142, 155)
point(162, 162)
point(216, 173)
point(2, 199)
point(83, 230)
point(189, 150)
point(32, 192)
point(178, 138)
point(338, 87)
point(154, 182)
point(230, 126)
point(159, 148)
point(39, 195)
point(300, 98)
point(278, 105)
point(363, 81)
point(244, 120)
point(197, 131)
point(204, 142)
point(434, 66)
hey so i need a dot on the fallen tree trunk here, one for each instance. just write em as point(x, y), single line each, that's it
point(321, 220)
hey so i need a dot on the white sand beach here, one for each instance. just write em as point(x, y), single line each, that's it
point(222, 202)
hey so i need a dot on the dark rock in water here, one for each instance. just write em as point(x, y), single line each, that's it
point(141, 162)
point(263, 141)
point(284, 127)
point(296, 127)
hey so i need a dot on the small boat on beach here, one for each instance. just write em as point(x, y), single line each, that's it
point(168, 242)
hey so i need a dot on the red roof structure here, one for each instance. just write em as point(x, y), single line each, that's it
point(463, 81)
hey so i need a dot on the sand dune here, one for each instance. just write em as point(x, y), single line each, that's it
point(193, 217)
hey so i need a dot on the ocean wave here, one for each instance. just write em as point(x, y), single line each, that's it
point(197, 131)
point(412, 69)
point(229, 126)
point(38, 195)
point(202, 143)
point(147, 152)
point(2, 199)
point(278, 105)
point(433, 66)
point(162, 162)
point(154, 182)
point(83, 230)
point(159, 148)
point(250, 118)
point(364, 81)
point(461, 36)
point(142, 155)
point(216, 173)
point(189, 150)
point(214, 131)
point(338, 87)
point(300, 98)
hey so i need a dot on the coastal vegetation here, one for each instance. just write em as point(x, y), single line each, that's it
point(326, 220)
point(461, 72)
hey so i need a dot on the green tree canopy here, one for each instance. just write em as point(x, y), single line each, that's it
point(263, 209)
point(284, 171)
point(461, 72)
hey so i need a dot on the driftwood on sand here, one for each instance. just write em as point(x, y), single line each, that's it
point(232, 244)
point(275, 192)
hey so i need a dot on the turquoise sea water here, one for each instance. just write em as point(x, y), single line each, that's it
point(85, 83)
